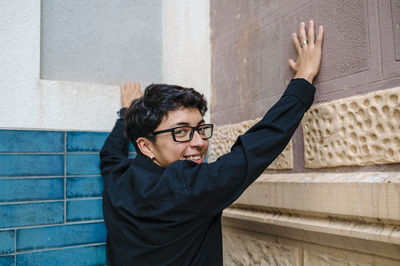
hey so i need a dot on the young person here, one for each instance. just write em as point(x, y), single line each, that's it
point(164, 206)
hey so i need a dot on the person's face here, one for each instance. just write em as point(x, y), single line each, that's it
point(166, 151)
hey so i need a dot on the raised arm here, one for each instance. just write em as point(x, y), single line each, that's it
point(215, 186)
point(115, 148)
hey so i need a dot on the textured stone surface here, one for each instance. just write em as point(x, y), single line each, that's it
point(362, 206)
point(358, 130)
point(390, 37)
point(305, 234)
point(245, 248)
point(395, 8)
point(225, 136)
point(319, 255)
point(251, 43)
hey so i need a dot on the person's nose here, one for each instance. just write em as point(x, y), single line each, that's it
point(197, 140)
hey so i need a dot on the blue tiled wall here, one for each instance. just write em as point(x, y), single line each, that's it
point(50, 198)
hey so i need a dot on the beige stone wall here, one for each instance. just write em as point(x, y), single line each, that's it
point(225, 136)
point(333, 197)
point(315, 219)
point(330, 217)
point(253, 248)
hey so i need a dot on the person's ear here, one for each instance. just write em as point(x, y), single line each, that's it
point(144, 146)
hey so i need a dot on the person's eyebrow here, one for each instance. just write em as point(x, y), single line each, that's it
point(187, 124)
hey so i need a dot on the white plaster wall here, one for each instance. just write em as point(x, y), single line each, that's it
point(27, 102)
point(186, 45)
point(19, 67)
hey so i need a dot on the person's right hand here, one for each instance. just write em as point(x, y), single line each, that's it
point(309, 52)
point(129, 92)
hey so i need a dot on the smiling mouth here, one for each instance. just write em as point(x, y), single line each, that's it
point(193, 158)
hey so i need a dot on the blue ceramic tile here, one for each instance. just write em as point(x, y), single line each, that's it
point(60, 236)
point(31, 165)
point(83, 164)
point(31, 141)
point(14, 215)
point(7, 260)
point(85, 141)
point(6, 242)
point(94, 255)
point(31, 189)
point(84, 210)
point(131, 148)
point(84, 187)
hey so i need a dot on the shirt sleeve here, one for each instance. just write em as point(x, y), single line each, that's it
point(115, 148)
point(216, 185)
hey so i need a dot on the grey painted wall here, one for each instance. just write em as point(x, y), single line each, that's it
point(101, 41)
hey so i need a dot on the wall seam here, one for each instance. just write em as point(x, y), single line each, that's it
point(52, 225)
point(61, 248)
point(65, 177)
point(15, 247)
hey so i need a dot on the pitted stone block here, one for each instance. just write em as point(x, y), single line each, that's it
point(225, 136)
point(357, 130)
point(249, 248)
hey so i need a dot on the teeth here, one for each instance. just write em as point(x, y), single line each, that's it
point(193, 158)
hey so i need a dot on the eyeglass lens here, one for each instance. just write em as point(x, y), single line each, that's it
point(186, 133)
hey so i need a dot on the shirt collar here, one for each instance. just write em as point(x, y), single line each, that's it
point(148, 163)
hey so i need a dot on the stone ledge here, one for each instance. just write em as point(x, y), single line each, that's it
point(225, 136)
point(369, 197)
point(389, 234)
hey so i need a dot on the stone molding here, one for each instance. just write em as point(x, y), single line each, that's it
point(225, 136)
point(357, 205)
point(315, 219)
point(358, 130)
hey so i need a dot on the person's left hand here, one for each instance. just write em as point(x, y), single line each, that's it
point(309, 52)
point(129, 92)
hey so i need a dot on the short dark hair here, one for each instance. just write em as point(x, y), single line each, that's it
point(146, 113)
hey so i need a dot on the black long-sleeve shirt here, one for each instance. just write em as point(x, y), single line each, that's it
point(172, 216)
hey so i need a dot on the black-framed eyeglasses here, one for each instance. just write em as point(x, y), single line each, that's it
point(185, 133)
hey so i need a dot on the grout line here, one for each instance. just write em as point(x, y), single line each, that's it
point(83, 176)
point(61, 248)
point(82, 152)
point(83, 198)
point(29, 177)
point(31, 153)
point(50, 200)
point(7, 255)
point(80, 175)
point(53, 130)
point(65, 177)
point(45, 177)
point(32, 201)
point(15, 247)
point(51, 153)
point(52, 225)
